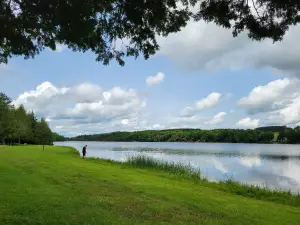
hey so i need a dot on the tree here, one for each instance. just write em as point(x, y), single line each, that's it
point(261, 18)
point(43, 133)
point(58, 137)
point(28, 26)
point(4, 116)
point(23, 124)
point(16, 125)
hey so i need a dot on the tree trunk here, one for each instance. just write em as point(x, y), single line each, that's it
point(19, 140)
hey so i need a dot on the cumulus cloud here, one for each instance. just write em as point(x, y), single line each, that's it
point(248, 123)
point(82, 106)
point(202, 45)
point(217, 119)
point(290, 114)
point(266, 98)
point(278, 102)
point(188, 111)
point(125, 122)
point(208, 102)
point(42, 98)
point(157, 79)
point(157, 127)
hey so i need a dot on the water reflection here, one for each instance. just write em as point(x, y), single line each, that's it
point(277, 166)
point(270, 156)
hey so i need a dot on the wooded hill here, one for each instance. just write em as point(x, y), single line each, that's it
point(279, 134)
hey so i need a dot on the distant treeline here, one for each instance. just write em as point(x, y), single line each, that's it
point(279, 134)
point(18, 126)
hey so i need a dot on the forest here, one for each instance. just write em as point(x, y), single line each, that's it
point(276, 134)
point(17, 126)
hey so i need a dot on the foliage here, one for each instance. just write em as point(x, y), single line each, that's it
point(290, 136)
point(43, 133)
point(58, 187)
point(29, 26)
point(261, 18)
point(273, 128)
point(19, 126)
point(259, 135)
point(184, 135)
point(58, 137)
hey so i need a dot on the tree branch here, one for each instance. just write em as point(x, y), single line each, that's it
point(255, 9)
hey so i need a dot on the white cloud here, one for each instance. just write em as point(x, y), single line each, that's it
point(86, 92)
point(188, 111)
point(278, 102)
point(125, 122)
point(266, 98)
point(202, 45)
point(157, 79)
point(157, 126)
point(210, 101)
point(42, 98)
point(217, 119)
point(291, 113)
point(84, 107)
point(248, 123)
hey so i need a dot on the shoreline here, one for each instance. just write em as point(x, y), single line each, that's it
point(188, 142)
point(182, 171)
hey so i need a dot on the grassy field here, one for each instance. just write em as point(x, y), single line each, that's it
point(58, 187)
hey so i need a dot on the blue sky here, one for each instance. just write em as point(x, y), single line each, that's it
point(226, 82)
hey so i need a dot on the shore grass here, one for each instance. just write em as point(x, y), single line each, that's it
point(56, 186)
point(143, 161)
point(228, 185)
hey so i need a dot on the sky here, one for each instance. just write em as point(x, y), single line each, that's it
point(201, 77)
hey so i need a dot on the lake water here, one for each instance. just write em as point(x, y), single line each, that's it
point(277, 166)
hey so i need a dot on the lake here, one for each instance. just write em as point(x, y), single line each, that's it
point(277, 166)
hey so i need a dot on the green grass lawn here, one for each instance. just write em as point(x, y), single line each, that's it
point(58, 187)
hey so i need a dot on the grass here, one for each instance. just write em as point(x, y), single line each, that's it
point(58, 187)
point(188, 172)
point(142, 161)
point(229, 185)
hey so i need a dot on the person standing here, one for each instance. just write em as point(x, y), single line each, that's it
point(84, 151)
